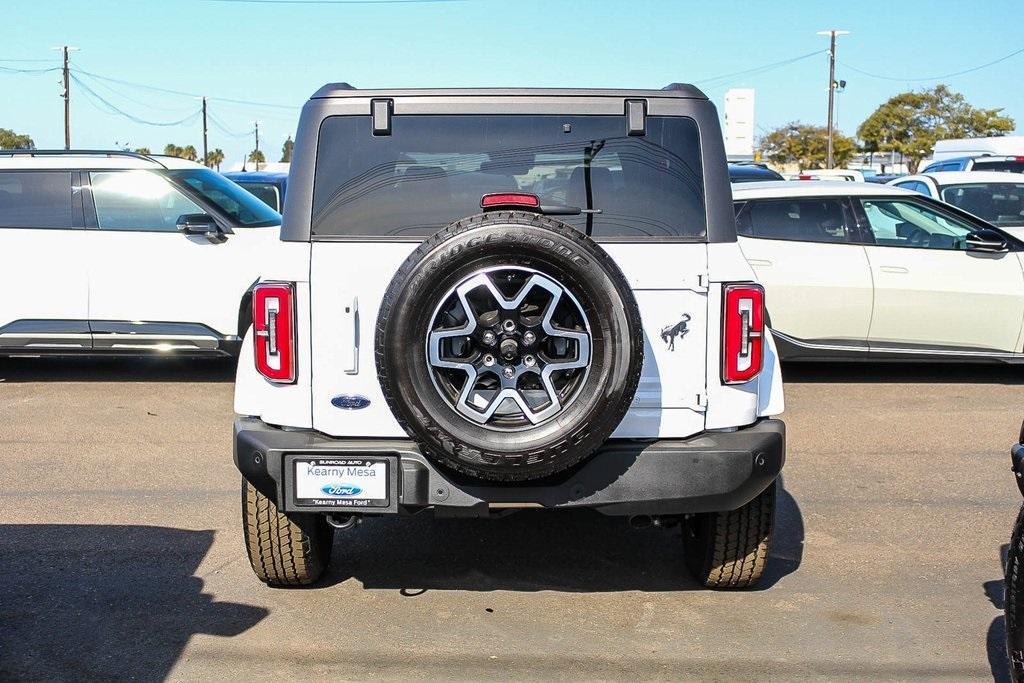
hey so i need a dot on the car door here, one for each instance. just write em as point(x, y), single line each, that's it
point(817, 281)
point(44, 272)
point(931, 294)
point(153, 287)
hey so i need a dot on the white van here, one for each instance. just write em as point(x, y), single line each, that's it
point(1006, 145)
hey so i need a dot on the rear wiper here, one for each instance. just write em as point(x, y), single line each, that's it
point(559, 210)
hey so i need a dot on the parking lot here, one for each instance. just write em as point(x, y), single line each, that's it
point(121, 551)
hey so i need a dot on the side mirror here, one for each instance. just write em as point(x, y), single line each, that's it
point(987, 241)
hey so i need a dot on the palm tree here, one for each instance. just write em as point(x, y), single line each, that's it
point(256, 156)
point(215, 158)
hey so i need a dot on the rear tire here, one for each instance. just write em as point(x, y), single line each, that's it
point(284, 550)
point(729, 550)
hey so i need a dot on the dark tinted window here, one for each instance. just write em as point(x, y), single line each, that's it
point(807, 220)
point(433, 169)
point(915, 186)
point(265, 192)
point(1010, 165)
point(999, 203)
point(35, 199)
point(751, 173)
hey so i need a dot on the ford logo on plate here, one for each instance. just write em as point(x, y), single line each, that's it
point(350, 402)
point(341, 490)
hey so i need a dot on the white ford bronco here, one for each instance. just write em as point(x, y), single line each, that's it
point(491, 300)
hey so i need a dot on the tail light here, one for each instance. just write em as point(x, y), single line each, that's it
point(273, 323)
point(742, 332)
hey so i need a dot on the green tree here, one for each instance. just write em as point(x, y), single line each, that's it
point(286, 150)
point(806, 145)
point(11, 140)
point(142, 150)
point(187, 152)
point(215, 158)
point(256, 157)
point(912, 122)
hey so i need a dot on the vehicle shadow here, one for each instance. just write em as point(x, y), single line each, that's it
point(98, 602)
point(116, 369)
point(995, 643)
point(894, 373)
point(535, 550)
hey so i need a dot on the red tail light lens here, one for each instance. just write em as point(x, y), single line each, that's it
point(273, 324)
point(502, 199)
point(742, 332)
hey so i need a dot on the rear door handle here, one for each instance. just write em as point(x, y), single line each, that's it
point(350, 331)
point(758, 262)
point(893, 269)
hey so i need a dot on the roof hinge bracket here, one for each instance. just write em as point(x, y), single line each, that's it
point(636, 117)
point(381, 111)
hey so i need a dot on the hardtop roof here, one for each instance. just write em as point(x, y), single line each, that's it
point(676, 90)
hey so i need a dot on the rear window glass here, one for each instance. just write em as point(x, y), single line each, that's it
point(999, 203)
point(806, 220)
point(265, 192)
point(36, 199)
point(433, 169)
point(1010, 165)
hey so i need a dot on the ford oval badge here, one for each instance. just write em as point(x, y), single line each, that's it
point(350, 402)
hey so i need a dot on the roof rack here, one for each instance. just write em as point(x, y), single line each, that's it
point(79, 152)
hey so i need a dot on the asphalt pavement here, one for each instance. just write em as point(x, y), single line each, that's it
point(121, 552)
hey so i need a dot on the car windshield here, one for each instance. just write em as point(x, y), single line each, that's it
point(997, 203)
point(434, 169)
point(265, 192)
point(243, 208)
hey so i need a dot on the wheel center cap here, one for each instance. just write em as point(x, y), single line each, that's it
point(509, 349)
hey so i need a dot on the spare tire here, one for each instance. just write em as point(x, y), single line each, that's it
point(509, 346)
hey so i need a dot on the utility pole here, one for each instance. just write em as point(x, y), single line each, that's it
point(206, 155)
point(832, 33)
point(257, 155)
point(66, 95)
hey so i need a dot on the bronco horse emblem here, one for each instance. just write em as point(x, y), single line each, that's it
point(670, 332)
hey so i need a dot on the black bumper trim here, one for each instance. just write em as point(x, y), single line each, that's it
point(712, 471)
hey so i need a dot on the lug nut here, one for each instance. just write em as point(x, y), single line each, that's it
point(529, 337)
point(509, 326)
point(489, 338)
point(509, 372)
point(529, 361)
point(488, 360)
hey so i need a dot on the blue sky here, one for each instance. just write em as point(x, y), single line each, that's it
point(279, 53)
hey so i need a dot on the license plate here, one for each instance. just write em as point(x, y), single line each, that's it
point(341, 482)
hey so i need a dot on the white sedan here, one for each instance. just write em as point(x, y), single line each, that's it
point(997, 197)
point(862, 271)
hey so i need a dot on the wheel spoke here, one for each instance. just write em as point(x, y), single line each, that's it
point(508, 334)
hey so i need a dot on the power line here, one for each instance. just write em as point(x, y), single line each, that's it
point(181, 92)
point(12, 70)
point(935, 78)
point(111, 108)
point(336, 2)
point(219, 125)
point(122, 94)
point(761, 69)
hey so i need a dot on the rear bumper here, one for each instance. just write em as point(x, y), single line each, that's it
point(713, 471)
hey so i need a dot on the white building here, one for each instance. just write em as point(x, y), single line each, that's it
point(739, 123)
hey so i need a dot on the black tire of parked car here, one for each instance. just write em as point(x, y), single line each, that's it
point(284, 550)
point(729, 550)
point(509, 239)
point(1014, 596)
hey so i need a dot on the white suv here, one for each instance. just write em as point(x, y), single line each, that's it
point(490, 300)
point(124, 253)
